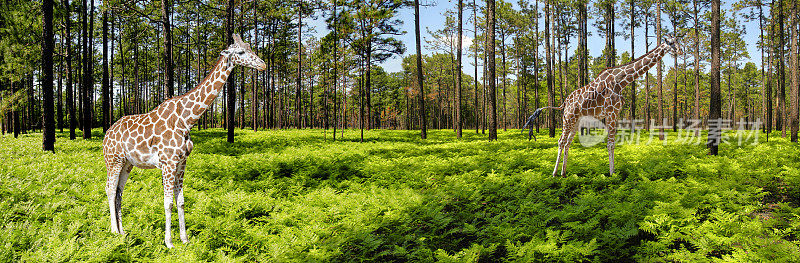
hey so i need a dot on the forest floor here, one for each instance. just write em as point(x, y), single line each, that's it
point(293, 195)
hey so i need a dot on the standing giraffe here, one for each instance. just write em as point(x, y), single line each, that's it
point(160, 138)
point(602, 98)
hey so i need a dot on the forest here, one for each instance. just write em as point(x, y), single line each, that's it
point(362, 140)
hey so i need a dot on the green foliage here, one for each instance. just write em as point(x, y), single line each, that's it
point(292, 196)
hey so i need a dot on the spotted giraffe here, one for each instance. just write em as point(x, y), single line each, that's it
point(160, 138)
point(602, 98)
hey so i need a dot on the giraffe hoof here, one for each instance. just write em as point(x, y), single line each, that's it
point(169, 245)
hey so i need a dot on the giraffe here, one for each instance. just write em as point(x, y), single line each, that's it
point(602, 98)
point(160, 138)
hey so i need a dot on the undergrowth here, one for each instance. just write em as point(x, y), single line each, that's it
point(295, 196)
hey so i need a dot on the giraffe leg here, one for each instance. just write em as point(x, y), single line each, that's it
point(566, 153)
point(612, 133)
point(168, 176)
point(123, 178)
point(179, 200)
point(560, 152)
point(114, 166)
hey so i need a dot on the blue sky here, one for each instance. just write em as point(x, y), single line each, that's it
point(431, 18)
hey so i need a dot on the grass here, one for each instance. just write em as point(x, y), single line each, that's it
point(295, 196)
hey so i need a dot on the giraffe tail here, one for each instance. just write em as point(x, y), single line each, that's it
point(533, 117)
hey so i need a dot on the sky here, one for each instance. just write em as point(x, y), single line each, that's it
point(432, 19)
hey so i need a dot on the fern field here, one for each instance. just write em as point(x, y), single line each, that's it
point(296, 196)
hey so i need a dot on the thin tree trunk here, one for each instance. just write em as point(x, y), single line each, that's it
point(231, 107)
point(696, 68)
point(48, 41)
point(475, 36)
point(298, 106)
point(490, 31)
point(659, 75)
point(781, 116)
point(458, 67)
point(69, 80)
point(106, 96)
point(166, 5)
point(420, 82)
point(536, 56)
point(714, 105)
point(633, 56)
point(795, 73)
point(88, 81)
point(583, 68)
point(549, 69)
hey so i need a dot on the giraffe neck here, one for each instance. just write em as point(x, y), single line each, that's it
point(196, 101)
point(640, 66)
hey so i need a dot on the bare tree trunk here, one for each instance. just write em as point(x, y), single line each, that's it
point(795, 73)
point(781, 116)
point(48, 43)
point(490, 31)
point(88, 81)
point(70, 92)
point(166, 5)
point(420, 83)
point(696, 68)
point(549, 66)
point(633, 56)
point(659, 73)
point(536, 55)
point(231, 107)
point(714, 110)
point(298, 106)
point(458, 67)
point(106, 88)
point(475, 36)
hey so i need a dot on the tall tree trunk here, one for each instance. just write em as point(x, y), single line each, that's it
point(659, 76)
point(70, 92)
point(458, 67)
point(254, 91)
point(231, 107)
point(422, 113)
point(583, 64)
point(166, 5)
point(106, 95)
point(696, 68)
point(611, 53)
point(536, 56)
point(633, 56)
point(88, 81)
point(714, 105)
point(765, 94)
point(368, 86)
point(475, 36)
point(17, 124)
point(505, 73)
point(336, 70)
point(59, 100)
point(549, 69)
point(48, 41)
point(781, 116)
point(795, 73)
point(298, 105)
point(675, 84)
point(490, 19)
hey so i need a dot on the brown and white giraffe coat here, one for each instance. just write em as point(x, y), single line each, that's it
point(602, 98)
point(160, 138)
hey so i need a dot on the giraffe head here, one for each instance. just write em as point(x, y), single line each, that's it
point(239, 53)
point(674, 44)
